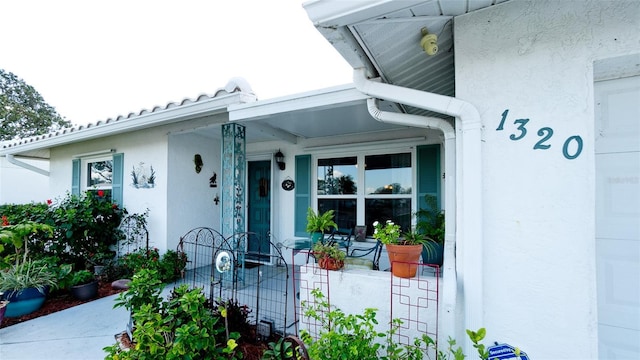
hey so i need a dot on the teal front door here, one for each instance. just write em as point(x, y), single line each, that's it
point(259, 209)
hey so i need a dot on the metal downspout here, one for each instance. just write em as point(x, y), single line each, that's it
point(12, 160)
point(464, 196)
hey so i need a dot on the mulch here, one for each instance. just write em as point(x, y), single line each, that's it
point(59, 301)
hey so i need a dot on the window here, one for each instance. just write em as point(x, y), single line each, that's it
point(386, 193)
point(104, 174)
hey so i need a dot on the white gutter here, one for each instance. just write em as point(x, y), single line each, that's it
point(463, 197)
point(22, 164)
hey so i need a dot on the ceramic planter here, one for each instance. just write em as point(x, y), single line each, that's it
point(85, 291)
point(433, 255)
point(24, 302)
point(328, 263)
point(404, 259)
point(3, 308)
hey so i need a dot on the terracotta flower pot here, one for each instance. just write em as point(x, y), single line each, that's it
point(404, 259)
point(328, 263)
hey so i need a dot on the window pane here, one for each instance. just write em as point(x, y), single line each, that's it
point(337, 176)
point(381, 210)
point(100, 173)
point(345, 211)
point(388, 174)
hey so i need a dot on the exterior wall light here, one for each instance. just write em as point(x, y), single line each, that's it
point(280, 159)
point(429, 42)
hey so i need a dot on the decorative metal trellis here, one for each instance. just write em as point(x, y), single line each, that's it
point(225, 271)
point(136, 235)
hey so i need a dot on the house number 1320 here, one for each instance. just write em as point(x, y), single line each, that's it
point(571, 148)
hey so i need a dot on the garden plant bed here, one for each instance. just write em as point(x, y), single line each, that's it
point(59, 301)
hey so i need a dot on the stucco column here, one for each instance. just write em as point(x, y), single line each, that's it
point(233, 179)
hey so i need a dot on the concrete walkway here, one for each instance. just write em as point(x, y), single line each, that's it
point(77, 333)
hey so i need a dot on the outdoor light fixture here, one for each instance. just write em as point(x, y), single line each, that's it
point(429, 42)
point(280, 159)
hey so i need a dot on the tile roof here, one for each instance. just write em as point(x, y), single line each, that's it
point(234, 86)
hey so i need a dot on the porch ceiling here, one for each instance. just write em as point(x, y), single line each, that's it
point(384, 36)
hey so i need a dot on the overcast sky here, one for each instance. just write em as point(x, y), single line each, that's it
point(94, 61)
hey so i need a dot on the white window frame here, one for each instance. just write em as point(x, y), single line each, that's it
point(360, 193)
point(85, 173)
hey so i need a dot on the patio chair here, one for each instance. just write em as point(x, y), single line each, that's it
point(342, 237)
point(360, 232)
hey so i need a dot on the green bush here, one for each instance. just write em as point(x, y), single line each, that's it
point(83, 226)
point(169, 266)
point(181, 327)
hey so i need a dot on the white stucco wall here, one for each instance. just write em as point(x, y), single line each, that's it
point(535, 58)
point(19, 185)
point(150, 147)
point(190, 198)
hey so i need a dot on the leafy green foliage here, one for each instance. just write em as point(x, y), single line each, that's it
point(320, 222)
point(169, 266)
point(276, 349)
point(26, 274)
point(23, 111)
point(181, 327)
point(81, 277)
point(348, 336)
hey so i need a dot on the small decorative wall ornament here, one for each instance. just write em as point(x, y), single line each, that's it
point(197, 160)
point(212, 180)
point(288, 184)
point(223, 261)
point(216, 200)
point(143, 176)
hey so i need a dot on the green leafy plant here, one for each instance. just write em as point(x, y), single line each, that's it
point(181, 327)
point(276, 349)
point(17, 237)
point(169, 266)
point(144, 289)
point(390, 234)
point(328, 255)
point(349, 336)
point(26, 274)
point(430, 224)
point(84, 225)
point(81, 277)
point(320, 222)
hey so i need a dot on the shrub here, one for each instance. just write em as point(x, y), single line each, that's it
point(178, 328)
point(81, 277)
point(84, 225)
point(168, 266)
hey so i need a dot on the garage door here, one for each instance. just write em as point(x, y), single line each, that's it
point(617, 145)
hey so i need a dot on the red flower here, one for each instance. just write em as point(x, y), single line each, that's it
point(114, 206)
point(49, 202)
point(5, 221)
point(100, 193)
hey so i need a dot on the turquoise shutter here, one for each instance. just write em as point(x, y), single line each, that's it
point(75, 177)
point(429, 179)
point(302, 194)
point(118, 179)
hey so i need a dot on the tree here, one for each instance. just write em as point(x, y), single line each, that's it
point(23, 111)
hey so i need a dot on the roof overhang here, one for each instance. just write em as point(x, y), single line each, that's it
point(204, 106)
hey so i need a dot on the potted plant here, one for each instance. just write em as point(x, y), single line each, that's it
point(329, 256)
point(84, 285)
point(3, 307)
point(403, 252)
point(319, 223)
point(430, 225)
point(25, 282)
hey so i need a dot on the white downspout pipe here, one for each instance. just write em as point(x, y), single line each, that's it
point(465, 232)
point(14, 161)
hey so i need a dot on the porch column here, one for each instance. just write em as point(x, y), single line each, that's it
point(233, 179)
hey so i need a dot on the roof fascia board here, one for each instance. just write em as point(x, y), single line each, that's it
point(167, 116)
point(334, 13)
point(297, 102)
